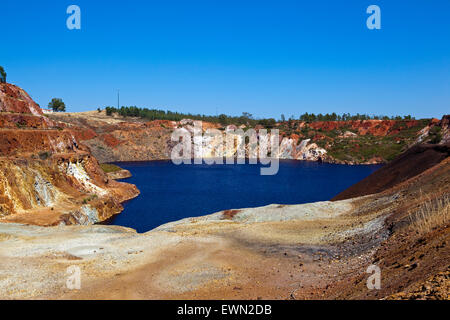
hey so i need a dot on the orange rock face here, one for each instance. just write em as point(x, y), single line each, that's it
point(25, 142)
point(115, 138)
point(47, 176)
point(110, 140)
point(17, 121)
point(14, 99)
point(364, 127)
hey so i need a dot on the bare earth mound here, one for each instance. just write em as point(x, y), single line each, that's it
point(411, 163)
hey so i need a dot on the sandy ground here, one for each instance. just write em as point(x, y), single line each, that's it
point(274, 252)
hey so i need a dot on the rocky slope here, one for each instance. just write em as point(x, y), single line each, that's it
point(359, 141)
point(413, 162)
point(47, 176)
point(113, 138)
point(417, 159)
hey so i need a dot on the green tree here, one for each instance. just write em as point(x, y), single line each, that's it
point(223, 119)
point(109, 111)
point(57, 105)
point(247, 115)
point(2, 75)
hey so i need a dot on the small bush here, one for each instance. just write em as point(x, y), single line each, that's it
point(107, 167)
point(435, 134)
point(90, 198)
point(44, 155)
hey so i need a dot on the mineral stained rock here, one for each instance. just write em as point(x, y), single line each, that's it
point(47, 176)
point(115, 138)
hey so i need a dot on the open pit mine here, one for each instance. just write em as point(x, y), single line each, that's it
point(53, 194)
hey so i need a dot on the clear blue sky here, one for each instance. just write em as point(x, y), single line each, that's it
point(262, 57)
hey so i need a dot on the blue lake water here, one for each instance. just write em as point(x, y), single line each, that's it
point(170, 192)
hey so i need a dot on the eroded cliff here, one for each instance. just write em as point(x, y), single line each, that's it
point(47, 176)
point(114, 138)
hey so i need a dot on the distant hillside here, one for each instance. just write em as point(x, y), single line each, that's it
point(357, 141)
point(117, 138)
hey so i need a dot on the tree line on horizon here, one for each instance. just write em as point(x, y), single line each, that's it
point(311, 117)
point(157, 114)
point(245, 118)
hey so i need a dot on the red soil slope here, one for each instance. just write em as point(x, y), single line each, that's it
point(47, 176)
point(14, 99)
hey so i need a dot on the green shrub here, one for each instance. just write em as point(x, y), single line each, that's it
point(435, 134)
point(107, 167)
point(44, 155)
